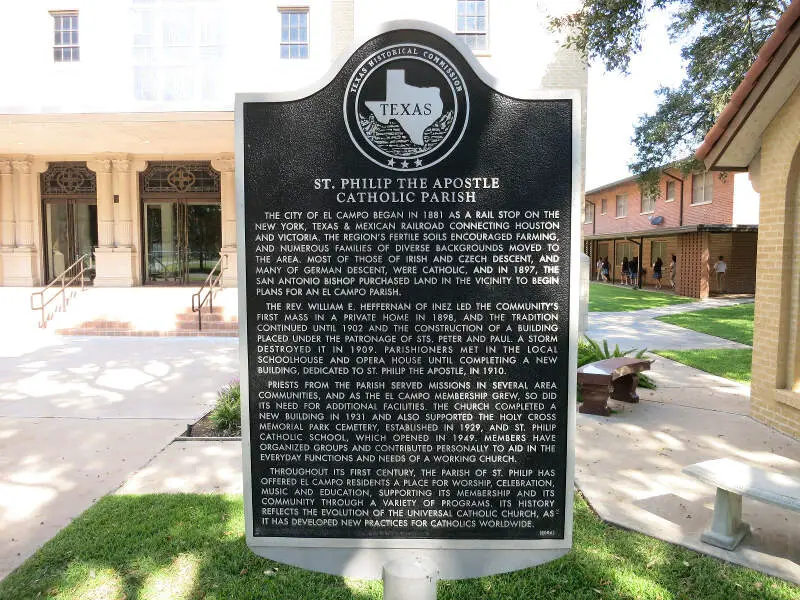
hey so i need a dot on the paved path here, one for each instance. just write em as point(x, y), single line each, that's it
point(78, 416)
point(638, 329)
point(82, 417)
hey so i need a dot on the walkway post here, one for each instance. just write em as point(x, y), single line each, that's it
point(410, 579)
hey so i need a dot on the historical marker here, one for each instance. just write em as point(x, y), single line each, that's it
point(408, 313)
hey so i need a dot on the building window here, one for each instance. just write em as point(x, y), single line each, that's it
point(65, 37)
point(702, 188)
point(648, 204)
point(471, 23)
point(178, 51)
point(588, 213)
point(670, 191)
point(603, 206)
point(294, 33)
point(658, 250)
point(626, 250)
point(622, 205)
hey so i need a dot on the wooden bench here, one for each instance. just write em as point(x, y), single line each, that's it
point(734, 480)
point(613, 377)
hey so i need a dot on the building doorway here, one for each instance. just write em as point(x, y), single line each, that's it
point(182, 241)
point(71, 232)
point(181, 221)
point(69, 197)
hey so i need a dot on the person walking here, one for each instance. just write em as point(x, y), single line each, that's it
point(720, 269)
point(624, 273)
point(633, 267)
point(657, 267)
point(673, 271)
point(606, 269)
point(599, 269)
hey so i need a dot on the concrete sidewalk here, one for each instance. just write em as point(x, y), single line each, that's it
point(78, 416)
point(639, 329)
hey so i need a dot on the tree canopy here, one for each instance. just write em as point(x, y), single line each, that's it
point(719, 41)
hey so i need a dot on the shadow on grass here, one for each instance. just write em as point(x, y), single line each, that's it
point(607, 562)
point(192, 546)
point(167, 546)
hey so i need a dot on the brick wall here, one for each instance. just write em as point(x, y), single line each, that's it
point(739, 250)
point(693, 265)
point(775, 340)
point(718, 211)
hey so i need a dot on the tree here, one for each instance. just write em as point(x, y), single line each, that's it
point(719, 40)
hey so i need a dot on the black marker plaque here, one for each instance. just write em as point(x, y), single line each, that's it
point(407, 255)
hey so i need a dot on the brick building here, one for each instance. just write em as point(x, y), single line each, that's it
point(697, 217)
point(759, 131)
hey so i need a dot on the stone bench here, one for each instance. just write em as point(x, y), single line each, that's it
point(734, 480)
point(613, 377)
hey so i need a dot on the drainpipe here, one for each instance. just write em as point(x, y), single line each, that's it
point(678, 179)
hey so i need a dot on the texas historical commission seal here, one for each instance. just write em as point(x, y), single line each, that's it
point(406, 107)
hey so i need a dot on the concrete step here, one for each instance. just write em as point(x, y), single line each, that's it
point(146, 311)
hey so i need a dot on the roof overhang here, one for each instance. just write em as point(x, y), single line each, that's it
point(649, 233)
point(735, 139)
point(187, 133)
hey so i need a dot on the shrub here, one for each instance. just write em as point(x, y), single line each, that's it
point(227, 415)
point(590, 351)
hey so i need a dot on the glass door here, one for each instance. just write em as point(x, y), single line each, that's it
point(71, 232)
point(203, 235)
point(182, 241)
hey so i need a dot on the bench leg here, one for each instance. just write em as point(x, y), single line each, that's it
point(595, 399)
point(727, 528)
point(624, 388)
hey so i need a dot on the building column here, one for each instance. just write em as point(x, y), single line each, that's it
point(693, 265)
point(134, 214)
point(123, 230)
point(23, 206)
point(19, 254)
point(105, 201)
point(113, 257)
point(225, 164)
point(7, 223)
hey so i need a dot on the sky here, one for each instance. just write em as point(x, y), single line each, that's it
point(616, 101)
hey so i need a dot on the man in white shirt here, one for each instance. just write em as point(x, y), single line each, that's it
point(720, 268)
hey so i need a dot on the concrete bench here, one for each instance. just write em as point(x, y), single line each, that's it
point(613, 377)
point(734, 480)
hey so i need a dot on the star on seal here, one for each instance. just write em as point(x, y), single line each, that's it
point(390, 162)
point(418, 163)
point(404, 164)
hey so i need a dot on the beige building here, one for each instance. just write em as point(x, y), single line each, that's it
point(759, 131)
point(116, 141)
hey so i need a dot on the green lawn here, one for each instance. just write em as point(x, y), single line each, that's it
point(615, 298)
point(192, 546)
point(730, 322)
point(732, 364)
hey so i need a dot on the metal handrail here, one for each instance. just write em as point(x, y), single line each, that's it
point(62, 279)
point(212, 282)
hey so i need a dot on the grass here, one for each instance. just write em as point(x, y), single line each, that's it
point(730, 322)
point(227, 415)
point(615, 298)
point(192, 547)
point(732, 364)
